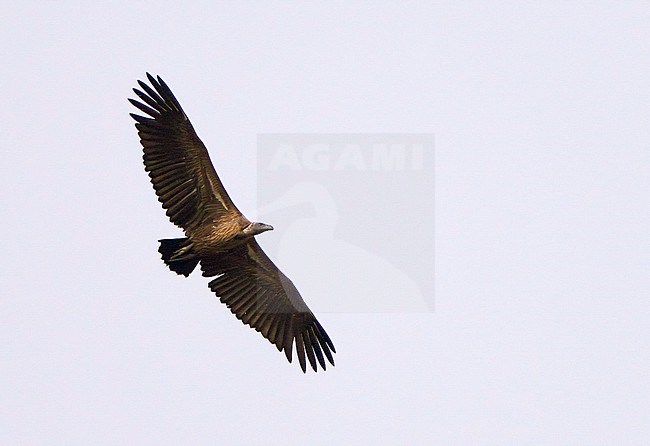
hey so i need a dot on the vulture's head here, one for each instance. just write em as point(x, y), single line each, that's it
point(256, 228)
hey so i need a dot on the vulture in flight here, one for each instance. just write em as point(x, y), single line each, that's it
point(217, 236)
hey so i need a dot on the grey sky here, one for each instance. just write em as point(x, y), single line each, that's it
point(541, 116)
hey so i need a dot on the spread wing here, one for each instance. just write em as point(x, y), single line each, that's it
point(261, 296)
point(177, 161)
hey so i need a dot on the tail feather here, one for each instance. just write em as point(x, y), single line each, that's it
point(177, 254)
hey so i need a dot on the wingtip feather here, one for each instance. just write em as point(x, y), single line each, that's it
point(300, 351)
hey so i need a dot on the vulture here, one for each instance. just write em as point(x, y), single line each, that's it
point(217, 235)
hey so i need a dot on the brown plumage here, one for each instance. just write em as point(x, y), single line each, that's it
point(218, 236)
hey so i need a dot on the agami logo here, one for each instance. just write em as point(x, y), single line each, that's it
point(349, 156)
point(339, 204)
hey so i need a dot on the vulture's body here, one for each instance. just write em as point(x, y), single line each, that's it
point(217, 236)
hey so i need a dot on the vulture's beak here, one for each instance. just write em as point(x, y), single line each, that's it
point(264, 227)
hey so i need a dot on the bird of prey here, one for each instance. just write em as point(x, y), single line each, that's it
point(217, 235)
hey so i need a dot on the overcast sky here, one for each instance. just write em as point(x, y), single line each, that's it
point(541, 117)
